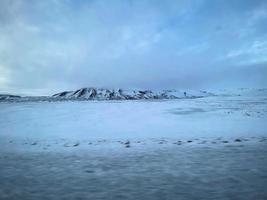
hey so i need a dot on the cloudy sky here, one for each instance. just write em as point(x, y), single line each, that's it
point(53, 45)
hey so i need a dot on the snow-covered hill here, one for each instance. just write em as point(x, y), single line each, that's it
point(244, 92)
point(8, 97)
point(120, 94)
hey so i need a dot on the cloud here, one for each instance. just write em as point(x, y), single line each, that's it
point(48, 46)
point(249, 53)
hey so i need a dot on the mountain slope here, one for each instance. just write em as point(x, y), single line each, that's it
point(8, 97)
point(119, 94)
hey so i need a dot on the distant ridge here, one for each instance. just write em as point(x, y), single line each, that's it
point(8, 96)
point(92, 93)
point(120, 94)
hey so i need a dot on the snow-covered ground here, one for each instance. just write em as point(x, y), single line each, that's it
point(187, 118)
point(176, 149)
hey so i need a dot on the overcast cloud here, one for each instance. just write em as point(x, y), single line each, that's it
point(53, 45)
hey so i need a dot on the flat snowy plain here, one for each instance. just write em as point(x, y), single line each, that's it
point(206, 148)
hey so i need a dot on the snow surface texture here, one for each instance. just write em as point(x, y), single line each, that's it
point(214, 116)
point(165, 171)
point(146, 149)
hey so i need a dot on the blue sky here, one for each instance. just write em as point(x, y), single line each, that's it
point(53, 45)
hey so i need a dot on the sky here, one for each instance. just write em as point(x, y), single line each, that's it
point(54, 45)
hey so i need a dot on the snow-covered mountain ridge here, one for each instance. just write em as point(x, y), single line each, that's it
point(8, 96)
point(92, 93)
point(120, 94)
